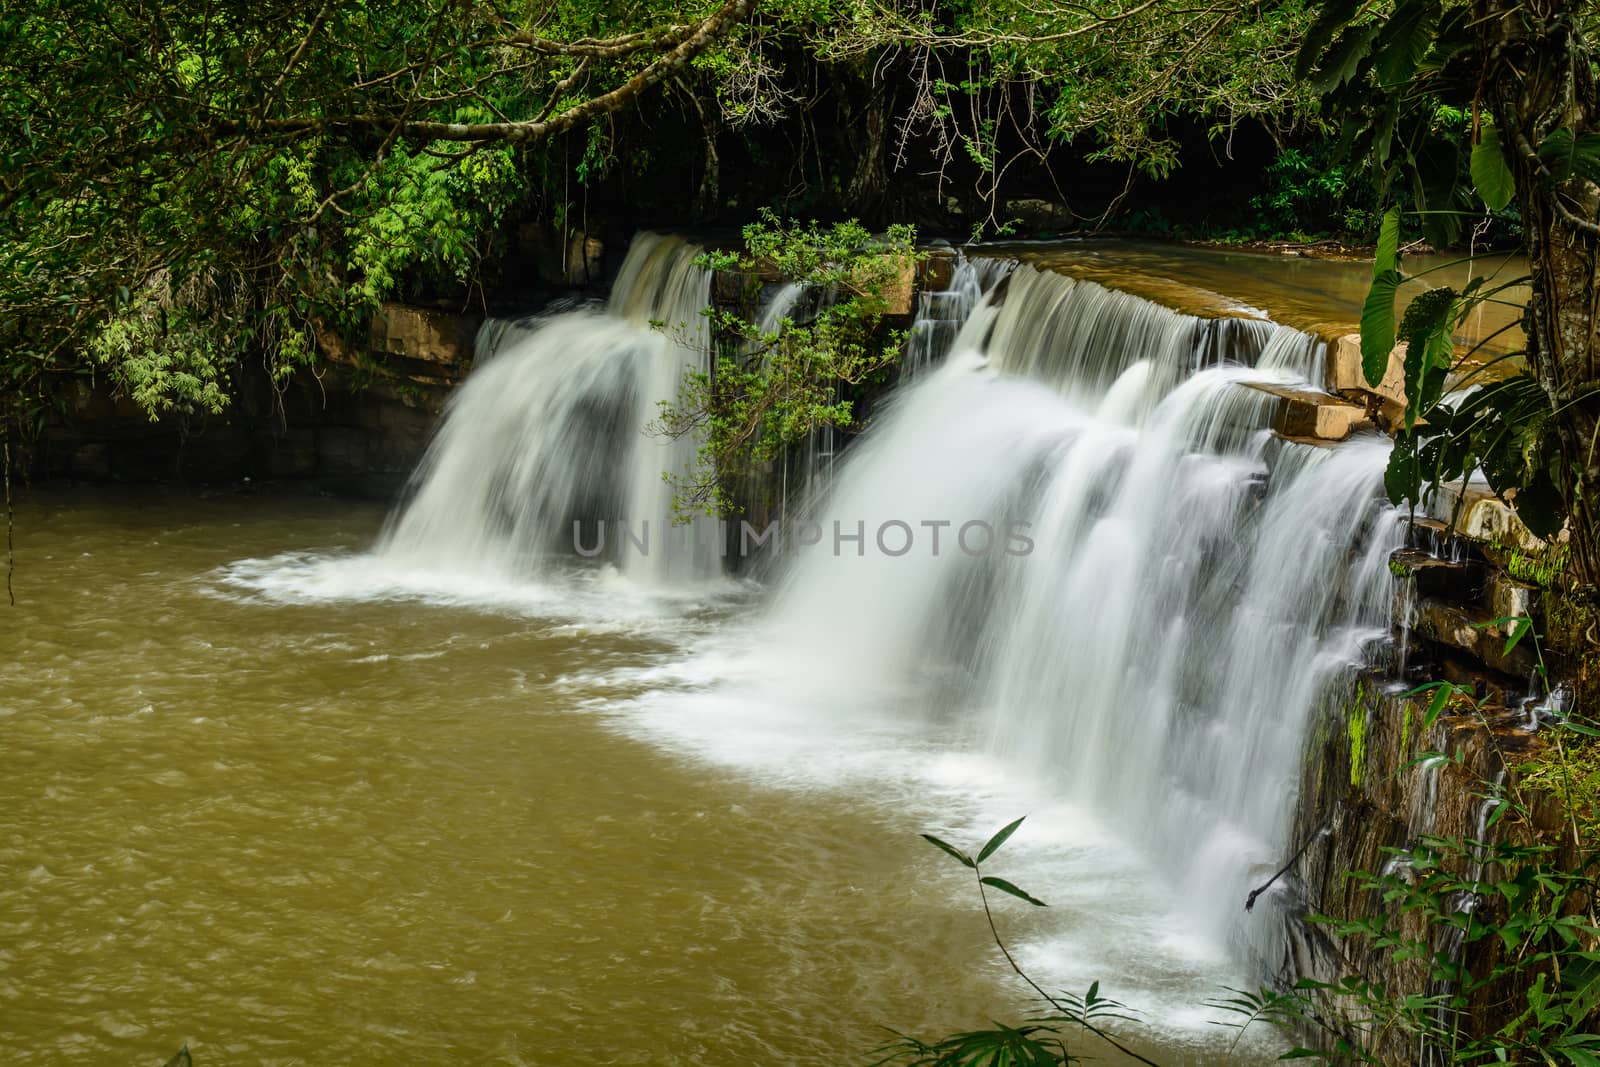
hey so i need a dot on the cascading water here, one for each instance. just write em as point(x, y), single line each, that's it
point(1140, 591)
point(554, 430)
point(942, 313)
point(1071, 553)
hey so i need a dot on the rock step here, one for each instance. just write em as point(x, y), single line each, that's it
point(1308, 414)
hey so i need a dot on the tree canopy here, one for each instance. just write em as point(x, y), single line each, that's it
point(188, 183)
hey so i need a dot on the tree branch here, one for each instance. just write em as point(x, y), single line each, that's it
point(719, 22)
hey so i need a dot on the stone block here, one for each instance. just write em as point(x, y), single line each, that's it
point(1302, 413)
point(1345, 374)
point(1455, 626)
point(1511, 599)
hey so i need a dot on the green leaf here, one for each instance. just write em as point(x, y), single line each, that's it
point(1519, 630)
point(1377, 326)
point(1387, 257)
point(1566, 155)
point(1402, 478)
point(1407, 36)
point(1344, 59)
point(1425, 330)
point(1006, 887)
point(951, 849)
point(1441, 697)
point(1490, 175)
point(997, 840)
point(1333, 15)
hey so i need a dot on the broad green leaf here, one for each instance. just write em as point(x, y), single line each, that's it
point(1333, 15)
point(998, 839)
point(1344, 59)
point(1006, 887)
point(1490, 175)
point(1402, 477)
point(951, 849)
point(1566, 155)
point(1406, 38)
point(1387, 257)
point(1377, 326)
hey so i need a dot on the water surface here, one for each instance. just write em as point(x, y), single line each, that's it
point(513, 829)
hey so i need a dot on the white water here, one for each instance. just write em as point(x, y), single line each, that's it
point(1192, 583)
point(555, 429)
point(1140, 678)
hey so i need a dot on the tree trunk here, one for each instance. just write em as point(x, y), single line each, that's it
point(1539, 79)
point(866, 128)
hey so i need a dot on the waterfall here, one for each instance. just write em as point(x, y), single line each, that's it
point(1080, 540)
point(553, 430)
point(941, 314)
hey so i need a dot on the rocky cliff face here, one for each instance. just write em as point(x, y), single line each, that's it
point(1377, 778)
point(360, 424)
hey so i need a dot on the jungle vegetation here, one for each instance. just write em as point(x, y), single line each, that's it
point(196, 193)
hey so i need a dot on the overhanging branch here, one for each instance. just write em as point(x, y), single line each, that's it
point(707, 30)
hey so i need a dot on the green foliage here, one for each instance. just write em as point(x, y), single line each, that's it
point(1501, 929)
point(1490, 175)
point(1040, 1042)
point(306, 160)
point(771, 389)
point(1310, 193)
point(1377, 315)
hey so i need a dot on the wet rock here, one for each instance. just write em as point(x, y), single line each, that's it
point(1511, 599)
point(1365, 790)
point(571, 259)
point(1481, 516)
point(1461, 582)
point(1471, 631)
point(936, 272)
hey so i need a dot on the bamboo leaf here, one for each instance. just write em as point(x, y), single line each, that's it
point(951, 849)
point(998, 839)
point(1006, 887)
